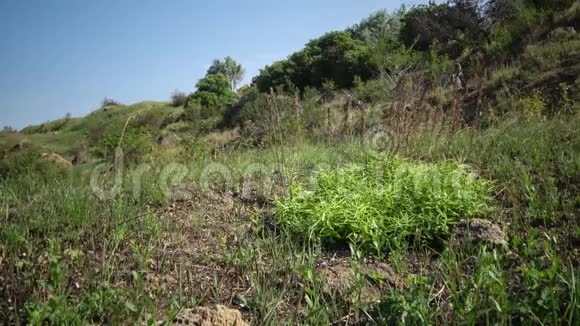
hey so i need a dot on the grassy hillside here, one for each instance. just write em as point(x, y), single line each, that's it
point(68, 135)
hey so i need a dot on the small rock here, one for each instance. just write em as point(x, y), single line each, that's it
point(182, 194)
point(210, 316)
point(383, 273)
point(58, 160)
point(169, 139)
point(477, 230)
point(339, 279)
point(171, 119)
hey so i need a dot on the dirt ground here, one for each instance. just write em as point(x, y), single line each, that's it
point(201, 228)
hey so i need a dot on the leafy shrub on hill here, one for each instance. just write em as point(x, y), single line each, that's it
point(178, 98)
point(232, 70)
point(443, 24)
point(563, 44)
point(377, 26)
point(136, 142)
point(384, 203)
point(313, 113)
point(372, 91)
point(504, 76)
point(110, 102)
point(532, 105)
point(231, 116)
point(26, 161)
point(200, 120)
point(336, 56)
point(258, 120)
point(213, 94)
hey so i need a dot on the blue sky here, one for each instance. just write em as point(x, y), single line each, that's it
point(65, 56)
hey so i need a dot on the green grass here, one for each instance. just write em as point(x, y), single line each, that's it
point(384, 202)
point(522, 173)
point(70, 257)
point(66, 138)
point(535, 165)
point(55, 233)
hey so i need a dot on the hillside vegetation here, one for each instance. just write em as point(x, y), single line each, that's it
point(420, 167)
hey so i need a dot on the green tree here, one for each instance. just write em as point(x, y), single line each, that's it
point(277, 74)
point(452, 26)
point(336, 57)
point(8, 129)
point(233, 71)
point(212, 95)
point(339, 57)
point(377, 26)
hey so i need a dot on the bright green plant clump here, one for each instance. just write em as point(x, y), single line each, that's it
point(384, 203)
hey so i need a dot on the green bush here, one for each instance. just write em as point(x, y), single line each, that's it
point(268, 120)
point(178, 98)
point(24, 162)
point(532, 105)
point(561, 45)
point(313, 113)
point(384, 203)
point(335, 56)
point(136, 142)
point(373, 91)
point(534, 160)
point(504, 76)
point(213, 94)
point(231, 116)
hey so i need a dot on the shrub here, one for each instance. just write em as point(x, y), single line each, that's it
point(562, 45)
point(192, 112)
point(532, 105)
point(384, 203)
point(110, 102)
point(213, 94)
point(231, 116)
point(313, 113)
point(336, 56)
point(426, 25)
point(372, 91)
point(178, 98)
point(136, 143)
point(268, 120)
point(504, 76)
point(24, 162)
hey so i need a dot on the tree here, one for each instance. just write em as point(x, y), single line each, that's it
point(426, 25)
point(8, 129)
point(378, 25)
point(339, 57)
point(212, 95)
point(277, 74)
point(178, 98)
point(233, 71)
point(335, 57)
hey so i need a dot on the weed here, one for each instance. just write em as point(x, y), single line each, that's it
point(383, 203)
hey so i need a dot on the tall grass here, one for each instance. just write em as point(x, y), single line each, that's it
point(534, 163)
point(60, 246)
point(535, 168)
